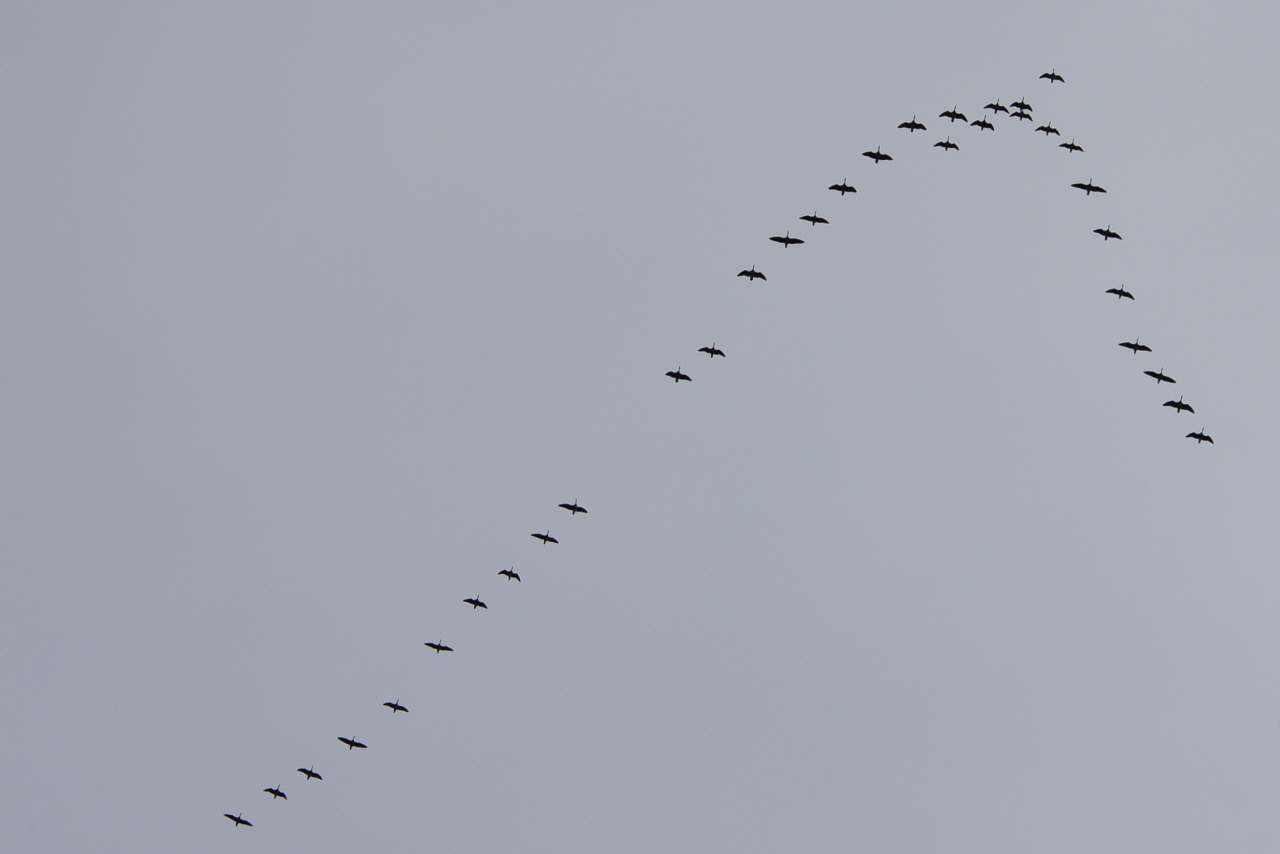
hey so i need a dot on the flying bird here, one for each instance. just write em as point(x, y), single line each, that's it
point(1021, 105)
point(676, 375)
point(238, 820)
point(1135, 346)
point(476, 603)
point(351, 742)
point(1201, 437)
point(1070, 146)
point(996, 108)
point(842, 188)
point(510, 573)
point(946, 145)
point(1089, 187)
point(752, 274)
point(309, 774)
point(814, 219)
point(1159, 377)
point(1021, 115)
point(276, 793)
point(1052, 76)
point(786, 241)
point(1120, 292)
point(983, 124)
point(547, 538)
point(711, 351)
point(913, 125)
point(953, 115)
point(1107, 233)
point(1048, 128)
point(876, 155)
point(396, 707)
point(574, 508)
point(439, 647)
point(1179, 406)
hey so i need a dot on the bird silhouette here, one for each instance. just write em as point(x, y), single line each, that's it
point(1089, 187)
point(1201, 437)
point(953, 115)
point(1021, 115)
point(996, 108)
point(913, 125)
point(711, 351)
point(1052, 76)
point(351, 743)
point(276, 793)
point(1107, 233)
point(547, 538)
point(1120, 292)
point(510, 573)
point(786, 241)
point(1159, 377)
point(1179, 406)
point(1070, 146)
point(238, 820)
point(1048, 128)
point(476, 603)
point(947, 144)
point(1021, 105)
point(1135, 346)
point(814, 219)
point(309, 774)
point(842, 188)
point(574, 509)
point(439, 647)
point(876, 155)
point(676, 375)
point(752, 274)
point(983, 124)
point(396, 707)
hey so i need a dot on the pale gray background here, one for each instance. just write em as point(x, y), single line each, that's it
point(311, 314)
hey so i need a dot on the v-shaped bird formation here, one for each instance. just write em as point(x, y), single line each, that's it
point(1023, 112)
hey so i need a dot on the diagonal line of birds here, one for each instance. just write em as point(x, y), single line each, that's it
point(1022, 111)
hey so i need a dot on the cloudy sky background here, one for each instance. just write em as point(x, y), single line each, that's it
point(312, 314)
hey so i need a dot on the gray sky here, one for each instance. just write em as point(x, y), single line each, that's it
point(312, 314)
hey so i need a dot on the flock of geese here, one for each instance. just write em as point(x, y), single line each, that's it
point(1022, 111)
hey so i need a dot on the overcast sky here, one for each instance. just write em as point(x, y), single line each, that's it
point(311, 314)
